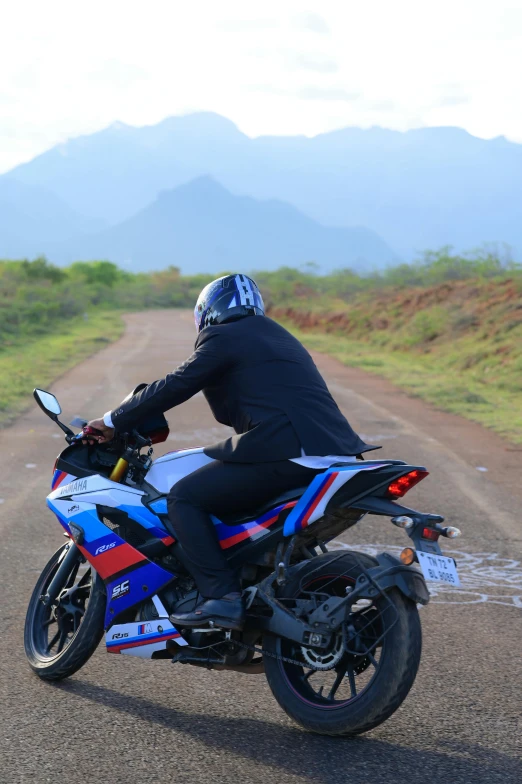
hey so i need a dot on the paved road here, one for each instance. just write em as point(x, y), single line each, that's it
point(124, 720)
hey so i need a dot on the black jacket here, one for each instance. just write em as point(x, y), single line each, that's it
point(261, 381)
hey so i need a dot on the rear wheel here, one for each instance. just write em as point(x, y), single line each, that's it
point(60, 637)
point(369, 668)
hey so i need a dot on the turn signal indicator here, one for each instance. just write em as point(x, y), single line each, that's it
point(408, 556)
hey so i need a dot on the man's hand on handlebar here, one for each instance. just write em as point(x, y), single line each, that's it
point(96, 431)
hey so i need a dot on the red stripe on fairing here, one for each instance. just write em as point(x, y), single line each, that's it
point(115, 560)
point(140, 643)
point(333, 476)
point(232, 540)
point(242, 535)
point(59, 479)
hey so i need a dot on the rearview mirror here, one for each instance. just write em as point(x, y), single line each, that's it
point(47, 402)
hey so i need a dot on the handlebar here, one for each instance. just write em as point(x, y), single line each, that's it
point(127, 450)
point(87, 432)
point(91, 431)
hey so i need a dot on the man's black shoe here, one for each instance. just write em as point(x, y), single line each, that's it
point(225, 613)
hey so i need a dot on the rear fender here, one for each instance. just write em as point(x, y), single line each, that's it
point(390, 573)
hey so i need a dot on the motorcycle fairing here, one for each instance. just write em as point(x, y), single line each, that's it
point(313, 502)
point(129, 576)
point(99, 490)
point(159, 506)
point(142, 638)
point(229, 535)
point(61, 477)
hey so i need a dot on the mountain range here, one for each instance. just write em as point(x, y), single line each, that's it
point(202, 226)
point(197, 192)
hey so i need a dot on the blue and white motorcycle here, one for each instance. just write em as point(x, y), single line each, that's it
point(337, 634)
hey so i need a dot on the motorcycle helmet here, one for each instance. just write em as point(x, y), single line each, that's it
point(227, 299)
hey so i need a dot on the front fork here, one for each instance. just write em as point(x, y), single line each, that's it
point(62, 573)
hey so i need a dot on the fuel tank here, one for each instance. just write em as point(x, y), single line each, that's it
point(170, 468)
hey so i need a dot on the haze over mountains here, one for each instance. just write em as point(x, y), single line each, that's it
point(31, 217)
point(349, 197)
point(202, 226)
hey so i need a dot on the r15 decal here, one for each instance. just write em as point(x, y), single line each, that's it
point(104, 548)
point(121, 589)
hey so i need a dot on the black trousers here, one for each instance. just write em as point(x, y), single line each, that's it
point(223, 489)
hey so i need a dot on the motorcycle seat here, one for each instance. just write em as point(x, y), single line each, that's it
point(292, 495)
point(256, 513)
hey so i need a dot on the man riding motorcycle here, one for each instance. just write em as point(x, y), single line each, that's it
point(261, 381)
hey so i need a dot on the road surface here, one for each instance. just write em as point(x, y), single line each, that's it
point(124, 720)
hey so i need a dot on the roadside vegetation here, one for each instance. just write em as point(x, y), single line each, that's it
point(38, 361)
point(51, 318)
point(447, 327)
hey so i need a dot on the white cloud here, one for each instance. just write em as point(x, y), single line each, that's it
point(314, 62)
point(69, 68)
point(312, 21)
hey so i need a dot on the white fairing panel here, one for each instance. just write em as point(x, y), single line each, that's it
point(142, 638)
point(98, 489)
point(170, 468)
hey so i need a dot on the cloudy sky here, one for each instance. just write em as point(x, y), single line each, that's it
point(285, 67)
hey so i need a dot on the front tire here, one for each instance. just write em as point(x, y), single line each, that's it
point(359, 692)
point(59, 638)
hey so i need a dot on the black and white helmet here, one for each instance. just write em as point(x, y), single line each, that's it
point(226, 299)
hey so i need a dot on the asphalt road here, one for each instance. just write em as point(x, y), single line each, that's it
point(125, 720)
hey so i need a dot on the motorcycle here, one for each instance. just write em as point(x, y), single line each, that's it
point(336, 633)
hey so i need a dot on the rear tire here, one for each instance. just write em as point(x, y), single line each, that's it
point(74, 622)
point(386, 682)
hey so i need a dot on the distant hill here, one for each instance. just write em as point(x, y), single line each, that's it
point(117, 171)
point(32, 217)
point(420, 189)
point(201, 226)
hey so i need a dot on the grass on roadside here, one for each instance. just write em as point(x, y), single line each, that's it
point(484, 393)
point(38, 361)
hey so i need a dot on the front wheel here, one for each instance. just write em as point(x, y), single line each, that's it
point(370, 666)
point(61, 636)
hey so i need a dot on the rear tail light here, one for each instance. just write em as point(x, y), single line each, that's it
point(430, 533)
point(400, 486)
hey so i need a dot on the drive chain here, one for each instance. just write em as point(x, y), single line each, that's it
point(268, 653)
point(279, 657)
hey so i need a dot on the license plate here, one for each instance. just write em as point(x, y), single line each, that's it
point(438, 568)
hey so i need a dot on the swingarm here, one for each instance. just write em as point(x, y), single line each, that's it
point(311, 624)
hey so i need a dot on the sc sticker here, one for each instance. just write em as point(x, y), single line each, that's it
point(121, 589)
